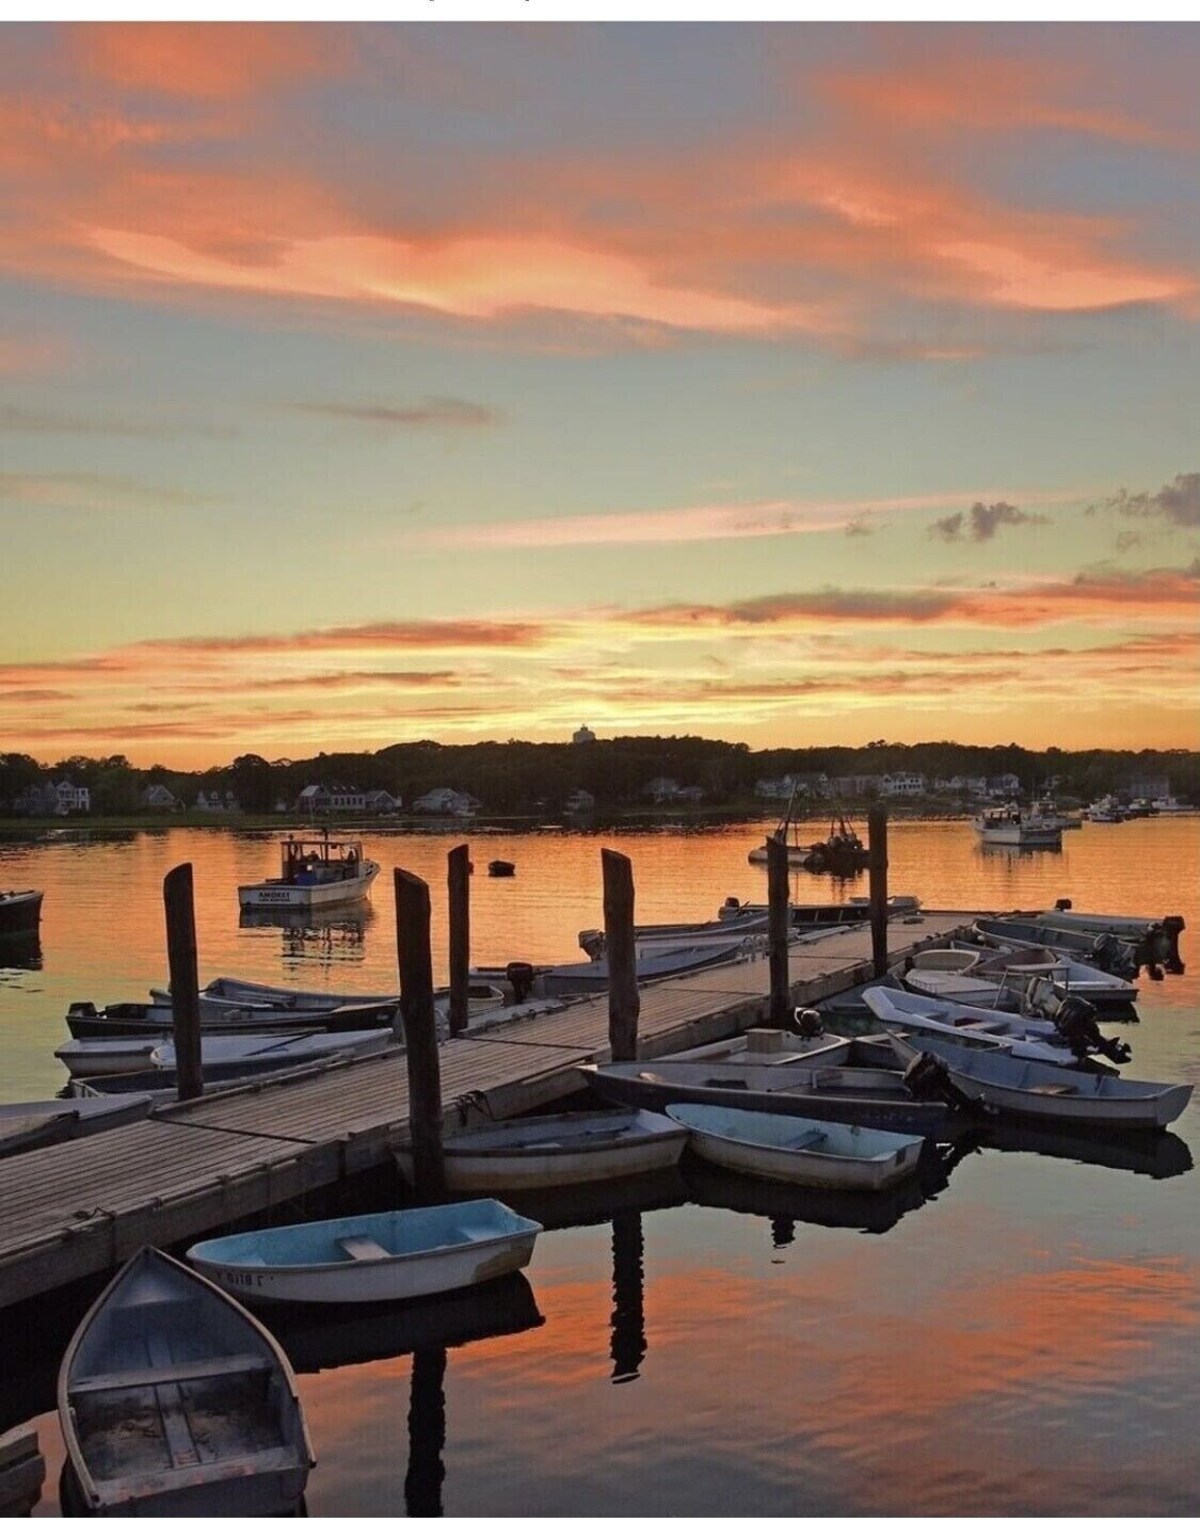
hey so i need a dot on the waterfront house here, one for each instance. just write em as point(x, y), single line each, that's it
point(157, 798)
point(382, 802)
point(902, 783)
point(579, 801)
point(71, 798)
point(445, 802)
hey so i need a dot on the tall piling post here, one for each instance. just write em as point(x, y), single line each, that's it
point(179, 903)
point(459, 881)
point(778, 904)
point(621, 952)
point(877, 856)
point(420, 1036)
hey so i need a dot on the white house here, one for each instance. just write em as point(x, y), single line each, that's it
point(1006, 785)
point(381, 802)
point(584, 734)
point(447, 803)
point(71, 798)
point(774, 790)
point(661, 789)
point(157, 798)
point(902, 783)
point(579, 801)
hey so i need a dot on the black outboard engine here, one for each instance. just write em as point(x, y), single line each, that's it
point(1110, 955)
point(808, 1023)
point(927, 1078)
point(519, 976)
point(1075, 1022)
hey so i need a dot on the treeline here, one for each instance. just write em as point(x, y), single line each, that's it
point(527, 777)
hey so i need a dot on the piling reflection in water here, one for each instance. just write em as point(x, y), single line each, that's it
point(426, 1434)
point(629, 1307)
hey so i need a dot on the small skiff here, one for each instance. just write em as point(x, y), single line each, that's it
point(799, 1151)
point(225, 1056)
point(175, 1402)
point(571, 1149)
point(372, 1257)
point(1018, 1087)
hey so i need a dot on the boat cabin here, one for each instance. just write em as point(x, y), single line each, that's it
point(314, 862)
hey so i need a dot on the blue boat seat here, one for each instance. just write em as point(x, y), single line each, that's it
point(169, 1372)
point(360, 1247)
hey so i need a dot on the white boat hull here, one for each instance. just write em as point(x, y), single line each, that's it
point(755, 1150)
point(551, 1151)
point(291, 895)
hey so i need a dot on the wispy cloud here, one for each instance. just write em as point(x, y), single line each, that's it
point(433, 411)
point(92, 492)
point(25, 419)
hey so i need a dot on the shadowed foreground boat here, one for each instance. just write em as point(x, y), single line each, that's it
point(175, 1402)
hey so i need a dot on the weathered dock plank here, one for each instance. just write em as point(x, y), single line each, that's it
point(84, 1206)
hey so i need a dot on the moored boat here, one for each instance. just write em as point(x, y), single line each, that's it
point(86, 1022)
point(592, 976)
point(1010, 827)
point(826, 1091)
point(176, 1402)
point(20, 912)
point(313, 873)
point(798, 1150)
point(372, 1257)
point(570, 1149)
point(1044, 1092)
point(221, 1057)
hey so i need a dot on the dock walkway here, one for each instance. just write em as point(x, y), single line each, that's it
point(85, 1206)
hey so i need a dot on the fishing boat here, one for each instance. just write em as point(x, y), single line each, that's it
point(797, 1150)
point(1012, 828)
point(221, 1057)
point(571, 1149)
point(1067, 1039)
point(1017, 1086)
point(842, 853)
point(176, 1402)
point(824, 1090)
point(312, 874)
point(372, 1257)
point(20, 912)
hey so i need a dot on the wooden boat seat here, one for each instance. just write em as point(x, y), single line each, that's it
point(170, 1372)
point(808, 1140)
point(360, 1247)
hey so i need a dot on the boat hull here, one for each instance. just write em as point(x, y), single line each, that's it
point(758, 1145)
point(559, 1151)
point(297, 1264)
point(287, 896)
point(652, 1090)
point(20, 912)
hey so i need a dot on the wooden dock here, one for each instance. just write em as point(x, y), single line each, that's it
point(83, 1207)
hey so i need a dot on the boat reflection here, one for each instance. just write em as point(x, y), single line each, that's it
point(871, 1212)
point(601, 1201)
point(1161, 1155)
point(337, 933)
point(319, 1339)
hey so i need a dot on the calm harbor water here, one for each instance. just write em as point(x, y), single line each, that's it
point(1022, 1342)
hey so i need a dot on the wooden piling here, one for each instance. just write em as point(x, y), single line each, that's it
point(621, 952)
point(878, 866)
point(459, 881)
point(180, 908)
point(778, 904)
point(420, 1036)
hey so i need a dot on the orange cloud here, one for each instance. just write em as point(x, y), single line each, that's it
point(209, 60)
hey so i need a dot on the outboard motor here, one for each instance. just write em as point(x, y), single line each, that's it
point(1110, 955)
point(519, 976)
point(808, 1023)
point(1062, 905)
point(927, 1078)
point(1075, 1022)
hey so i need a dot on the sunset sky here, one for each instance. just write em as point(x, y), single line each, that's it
point(787, 383)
